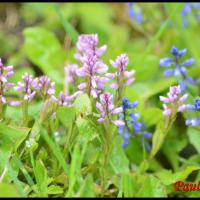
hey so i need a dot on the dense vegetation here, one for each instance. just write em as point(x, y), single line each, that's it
point(99, 99)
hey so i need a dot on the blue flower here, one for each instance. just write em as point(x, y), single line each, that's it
point(193, 122)
point(188, 9)
point(126, 104)
point(177, 68)
point(197, 104)
point(195, 107)
point(134, 12)
point(132, 123)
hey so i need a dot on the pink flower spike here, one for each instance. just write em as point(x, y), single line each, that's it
point(167, 112)
point(114, 64)
point(100, 120)
point(130, 81)
point(2, 100)
point(81, 72)
point(111, 75)
point(164, 99)
point(94, 93)
point(114, 86)
point(82, 86)
point(117, 110)
point(183, 98)
point(118, 122)
point(15, 103)
point(54, 99)
point(100, 51)
point(129, 74)
point(99, 107)
point(181, 108)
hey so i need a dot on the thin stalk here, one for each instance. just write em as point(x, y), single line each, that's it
point(106, 155)
point(25, 112)
point(3, 173)
point(69, 136)
point(67, 25)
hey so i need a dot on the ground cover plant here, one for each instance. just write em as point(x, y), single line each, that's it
point(99, 100)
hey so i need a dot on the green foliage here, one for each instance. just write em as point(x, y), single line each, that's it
point(70, 154)
point(44, 50)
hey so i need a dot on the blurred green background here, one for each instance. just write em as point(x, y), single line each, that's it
point(40, 38)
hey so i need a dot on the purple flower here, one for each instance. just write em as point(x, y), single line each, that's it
point(62, 100)
point(178, 68)
point(107, 109)
point(26, 87)
point(44, 85)
point(87, 44)
point(91, 71)
point(70, 73)
point(175, 101)
point(5, 73)
point(92, 66)
point(122, 77)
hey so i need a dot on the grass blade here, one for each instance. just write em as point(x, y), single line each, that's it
point(67, 26)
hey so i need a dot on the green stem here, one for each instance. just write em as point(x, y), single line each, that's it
point(2, 111)
point(106, 155)
point(69, 136)
point(67, 25)
point(25, 112)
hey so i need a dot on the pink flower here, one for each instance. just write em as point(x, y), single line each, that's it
point(5, 85)
point(174, 100)
point(70, 73)
point(92, 67)
point(44, 85)
point(122, 77)
point(26, 87)
point(107, 109)
point(87, 44)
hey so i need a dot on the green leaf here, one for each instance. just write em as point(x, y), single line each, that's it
point(133, 147)
point(194, 138)
point(158, 138)
point(87, 189)
point(150, 88)
point(119, 163)
point(56, 151)
point(167, 177)
point(8, 190)
point(66, 115)
point(83, 104)
point(86, 129)
point(129, 185)
point(55, 189)
point(88, 23)
point(44, 50)
point(41, 178)
point(75, 170)
point(151, 187)
point(11, 137)
point(23, 169)
point(149, 68)
point(152, 116)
